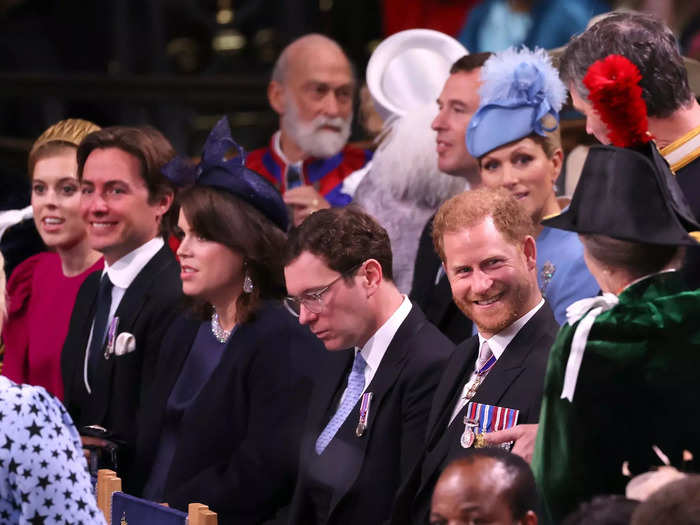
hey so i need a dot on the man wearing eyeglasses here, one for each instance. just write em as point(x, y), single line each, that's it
point(367, 416)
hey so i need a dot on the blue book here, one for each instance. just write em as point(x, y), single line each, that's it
point(129, 510)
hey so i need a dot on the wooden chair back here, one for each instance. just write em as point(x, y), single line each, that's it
point(108, 483)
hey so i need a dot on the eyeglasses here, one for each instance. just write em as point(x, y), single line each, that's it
point(313, 301)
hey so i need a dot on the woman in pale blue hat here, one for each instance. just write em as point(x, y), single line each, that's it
point(515, 137)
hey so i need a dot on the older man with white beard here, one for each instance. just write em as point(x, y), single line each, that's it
point(311, 90)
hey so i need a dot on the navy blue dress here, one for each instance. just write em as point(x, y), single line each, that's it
point(231, 439)
point(203, 359)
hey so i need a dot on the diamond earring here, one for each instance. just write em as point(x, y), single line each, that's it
point(248, 285)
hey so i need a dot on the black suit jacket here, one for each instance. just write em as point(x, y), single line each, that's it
point(515, 381)
point(146, 310)
point(436, 299)
point(237, 447)
point(368, 470)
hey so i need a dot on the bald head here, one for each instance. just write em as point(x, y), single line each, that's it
point(306, 50)
point(488, 485)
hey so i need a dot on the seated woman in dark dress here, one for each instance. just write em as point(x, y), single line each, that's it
point(229, 398)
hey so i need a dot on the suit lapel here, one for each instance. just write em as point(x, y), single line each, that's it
point(75, 348)
point(456, 374)
point(510, 365)
point(331, 380)
point(130, 307)
point(389, 370)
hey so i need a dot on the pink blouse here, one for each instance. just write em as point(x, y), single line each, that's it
point(41, 301)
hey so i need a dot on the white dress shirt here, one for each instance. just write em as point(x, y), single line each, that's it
point(122, 273)
point(498, 344)
point(374, 349)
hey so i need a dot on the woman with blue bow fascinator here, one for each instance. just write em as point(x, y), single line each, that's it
point(223, 419)
point(515, 137)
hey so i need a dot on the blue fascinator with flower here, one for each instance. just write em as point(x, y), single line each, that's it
point(519, 87)
point(229, 175)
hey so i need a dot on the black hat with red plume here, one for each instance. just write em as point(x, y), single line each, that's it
point(626, 190)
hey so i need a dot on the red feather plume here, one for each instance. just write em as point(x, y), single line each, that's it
point(614, 91)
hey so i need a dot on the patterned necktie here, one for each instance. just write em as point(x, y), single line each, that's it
point(484, 355)
point(294, 179)
point(104, 301)
point(356, 384)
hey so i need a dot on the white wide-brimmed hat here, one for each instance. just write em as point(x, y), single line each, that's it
point(408, 70)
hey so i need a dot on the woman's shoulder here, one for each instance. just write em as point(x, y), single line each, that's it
point(19, 286)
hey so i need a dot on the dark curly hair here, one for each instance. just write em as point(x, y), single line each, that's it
point(344, 238)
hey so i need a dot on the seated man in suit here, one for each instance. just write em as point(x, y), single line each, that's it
point(487, 485)
point(121, 313)
point(485, 241)
point(311, 90)
point(366, 419)
point(456, 106)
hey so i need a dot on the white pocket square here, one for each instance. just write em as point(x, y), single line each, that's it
point(125, 344)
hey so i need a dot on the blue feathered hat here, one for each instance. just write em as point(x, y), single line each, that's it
point(230, 175)
point(518, 88)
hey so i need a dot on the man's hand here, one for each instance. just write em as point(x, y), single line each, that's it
point(523, 435)
point(303, 201)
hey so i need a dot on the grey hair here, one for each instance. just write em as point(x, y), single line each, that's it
point(645, 41)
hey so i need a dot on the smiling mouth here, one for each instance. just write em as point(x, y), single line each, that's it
point(101, 224)
point(489, 301)
point(52, 221)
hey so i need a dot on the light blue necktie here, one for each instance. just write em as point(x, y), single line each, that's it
point(356, 384)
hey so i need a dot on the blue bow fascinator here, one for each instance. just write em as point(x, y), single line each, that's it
point(519, 87)
point(229, 175)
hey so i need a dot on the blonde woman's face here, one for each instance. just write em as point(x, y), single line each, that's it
point(524, 169)
point(56, 200)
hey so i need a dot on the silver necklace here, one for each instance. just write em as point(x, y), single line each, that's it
point(220, 334)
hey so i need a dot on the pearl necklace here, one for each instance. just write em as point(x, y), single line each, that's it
point(220, 334)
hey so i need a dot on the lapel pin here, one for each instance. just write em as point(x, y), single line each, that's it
point(111, 337)
point(364, 414)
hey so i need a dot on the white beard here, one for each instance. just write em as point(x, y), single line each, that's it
point(310, 136)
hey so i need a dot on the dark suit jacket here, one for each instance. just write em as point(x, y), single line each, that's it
point(436, 299)
point(237, 448)
point(146, 310)
point(368, 470)
point(515, 381)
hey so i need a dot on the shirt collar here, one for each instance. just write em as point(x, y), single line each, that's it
point(499, 342)
point(123, 272)
point(376, 346)
point(277, 147)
